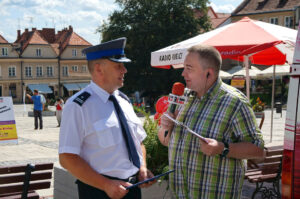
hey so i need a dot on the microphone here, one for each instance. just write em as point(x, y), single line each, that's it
point(177, 91)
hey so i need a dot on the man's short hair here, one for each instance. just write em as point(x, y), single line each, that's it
point(91, 64)
point(35, 91)
point(209, 55)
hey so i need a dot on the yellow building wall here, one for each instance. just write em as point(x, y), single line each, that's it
point(265, 17)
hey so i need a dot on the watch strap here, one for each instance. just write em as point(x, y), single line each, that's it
point(225, 150)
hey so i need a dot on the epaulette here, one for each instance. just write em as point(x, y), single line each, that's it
point(121, 94)
point(80, 99)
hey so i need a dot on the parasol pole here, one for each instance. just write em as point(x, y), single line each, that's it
point(246, 64)
point(272, 105)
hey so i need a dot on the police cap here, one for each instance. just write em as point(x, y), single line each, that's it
point(112, 50)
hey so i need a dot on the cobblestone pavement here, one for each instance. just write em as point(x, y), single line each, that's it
point(37, 146)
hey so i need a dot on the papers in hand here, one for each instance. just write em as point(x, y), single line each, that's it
point(187, 128)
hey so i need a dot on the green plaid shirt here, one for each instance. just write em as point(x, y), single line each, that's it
point(224, 114)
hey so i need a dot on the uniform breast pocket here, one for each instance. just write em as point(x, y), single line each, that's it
point(107, 132)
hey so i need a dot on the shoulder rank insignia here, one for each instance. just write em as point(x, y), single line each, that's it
point(121, 94)
point(80, 99)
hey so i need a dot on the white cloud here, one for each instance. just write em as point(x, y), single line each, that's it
point(227, 8)
point(84, 15)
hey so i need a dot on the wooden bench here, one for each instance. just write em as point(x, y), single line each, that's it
point(20, 182)
point(267, 170)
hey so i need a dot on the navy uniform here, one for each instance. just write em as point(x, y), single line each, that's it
point(90, 127)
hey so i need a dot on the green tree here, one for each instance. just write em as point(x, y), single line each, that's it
point(151, 25)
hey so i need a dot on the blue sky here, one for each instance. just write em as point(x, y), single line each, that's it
point(84, 15)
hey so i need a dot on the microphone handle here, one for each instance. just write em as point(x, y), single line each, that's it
point(172, 110)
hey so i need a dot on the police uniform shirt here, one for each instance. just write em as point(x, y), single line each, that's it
point(92, 131)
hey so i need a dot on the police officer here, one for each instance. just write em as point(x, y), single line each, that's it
point(100, 136)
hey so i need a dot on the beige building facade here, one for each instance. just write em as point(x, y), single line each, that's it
point(40, 59)
point(280, 12)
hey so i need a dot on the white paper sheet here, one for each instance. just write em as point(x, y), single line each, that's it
point(187, 128)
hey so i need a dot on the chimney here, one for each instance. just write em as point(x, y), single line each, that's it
point(33, 29)
point(71, 28)
point(19, 34)
point(26, 30)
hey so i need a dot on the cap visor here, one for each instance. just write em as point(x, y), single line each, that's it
point(121, 60)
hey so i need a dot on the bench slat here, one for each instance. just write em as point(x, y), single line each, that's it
point(260, 178)
point(18, 195)
point(21, 177)
point(274, 152)
point(22, 168)
point(19, 188)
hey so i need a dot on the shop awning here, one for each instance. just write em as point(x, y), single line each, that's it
point(82, 85)
point(72, 87)
point(42, 88)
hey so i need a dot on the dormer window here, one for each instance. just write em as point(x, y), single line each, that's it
point(38, 52)
point(4, 51)
point(74, 53)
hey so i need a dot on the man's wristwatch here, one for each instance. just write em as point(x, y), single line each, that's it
point(225, 150)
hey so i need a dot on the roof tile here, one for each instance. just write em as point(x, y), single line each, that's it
point(3, 40)
point(258, 6)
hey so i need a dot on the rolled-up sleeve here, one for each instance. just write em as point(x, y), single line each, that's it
point(245, 126)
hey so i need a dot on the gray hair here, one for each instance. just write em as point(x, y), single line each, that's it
point(209, 56)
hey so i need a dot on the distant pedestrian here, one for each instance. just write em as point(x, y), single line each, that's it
point(38, 107)
point(59, 104)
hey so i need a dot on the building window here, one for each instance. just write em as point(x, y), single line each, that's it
point(49, 71)
point(5, 51)
point(65, 71)
point(74, 53)
point(39, 71)
point(12, 71)
point(288, 22)
point(28, 70)
point(84, 68)
point(74, 68)
point(274, 20)
point(38, 52)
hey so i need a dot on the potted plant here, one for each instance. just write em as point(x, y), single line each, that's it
point(157, 158)
point(258, 108)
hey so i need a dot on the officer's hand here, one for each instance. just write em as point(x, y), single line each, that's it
point(116, 189)
point(145, 174)
point(212, 148)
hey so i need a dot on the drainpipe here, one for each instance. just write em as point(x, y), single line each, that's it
point(22, 80)
point(296, 17)
point(59, 86)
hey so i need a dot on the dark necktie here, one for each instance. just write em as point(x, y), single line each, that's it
point(133, 155)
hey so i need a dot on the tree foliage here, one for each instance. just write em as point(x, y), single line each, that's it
point(150, 25)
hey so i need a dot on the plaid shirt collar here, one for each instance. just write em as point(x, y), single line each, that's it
point(213, 90)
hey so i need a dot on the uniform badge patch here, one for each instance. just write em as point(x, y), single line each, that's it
point(80, 99)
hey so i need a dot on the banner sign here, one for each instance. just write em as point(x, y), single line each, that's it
point(8, 130)
point(238, 81)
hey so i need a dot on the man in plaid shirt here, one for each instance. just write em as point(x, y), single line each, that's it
point(221, 114)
